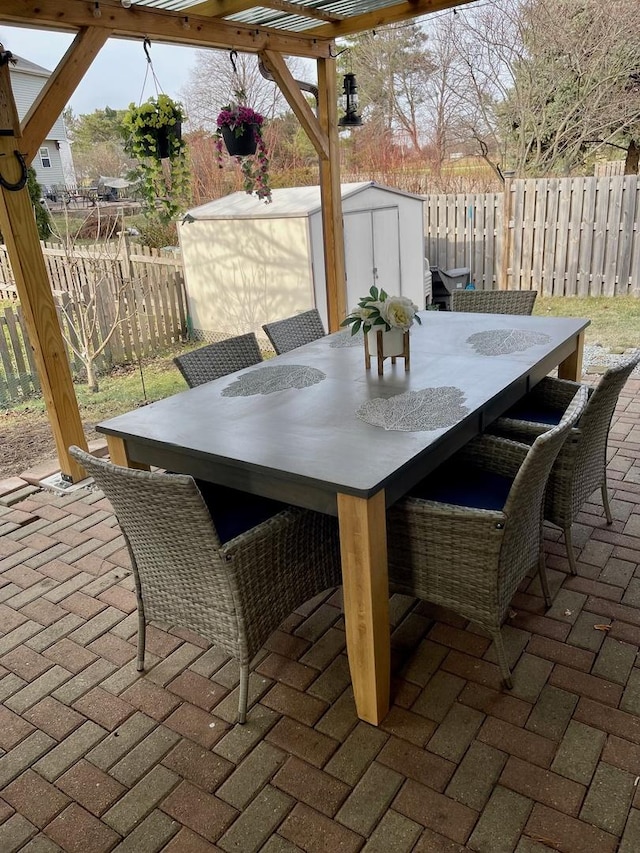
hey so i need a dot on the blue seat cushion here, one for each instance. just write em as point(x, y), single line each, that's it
point(464, 485)
point(534, 411)
point(234, 512)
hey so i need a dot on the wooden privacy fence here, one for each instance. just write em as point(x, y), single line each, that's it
point(18, 375)
point(560, 236)
point(152, 314)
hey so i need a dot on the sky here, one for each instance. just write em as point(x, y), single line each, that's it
point(116, 76)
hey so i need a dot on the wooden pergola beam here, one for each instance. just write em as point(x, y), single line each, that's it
point(296, 100)
point(160, 25)
point(331, 195)
point(18, 226)
point(59, 88)
point(323, 133)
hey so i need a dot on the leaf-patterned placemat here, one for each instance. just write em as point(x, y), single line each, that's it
point(415, 411)
point(506, 341)
point(275, 377)
point(346, 339)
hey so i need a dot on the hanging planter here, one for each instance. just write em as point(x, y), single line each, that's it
point(242, 145)
point(154, 131)
point(239, 128)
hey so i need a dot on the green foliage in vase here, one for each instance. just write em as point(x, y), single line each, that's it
point(154, 139)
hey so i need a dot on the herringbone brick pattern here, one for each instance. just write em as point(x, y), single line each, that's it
point(95, 757)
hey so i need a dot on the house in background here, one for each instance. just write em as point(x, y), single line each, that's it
point(53, 163)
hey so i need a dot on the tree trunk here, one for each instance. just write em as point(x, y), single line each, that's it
point(632, 161)
point(92, 379)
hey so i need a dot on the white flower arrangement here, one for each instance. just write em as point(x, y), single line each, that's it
point(378, 310)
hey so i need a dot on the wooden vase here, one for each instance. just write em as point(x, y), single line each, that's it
point(386, 343)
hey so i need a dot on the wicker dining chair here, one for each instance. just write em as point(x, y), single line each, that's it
point(581, 466)
point(494, 301)
point(218, 359)
point(230, 569)
point(295, 331)
point(468, 534)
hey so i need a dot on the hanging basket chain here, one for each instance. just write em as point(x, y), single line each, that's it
point(146, 44)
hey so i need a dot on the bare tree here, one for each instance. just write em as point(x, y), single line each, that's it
point(552, 81)
point(393, 66)
point(93, 304)
point(443, 99)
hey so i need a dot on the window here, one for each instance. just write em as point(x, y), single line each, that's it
point(44, 158)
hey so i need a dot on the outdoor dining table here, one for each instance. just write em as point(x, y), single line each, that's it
point(315, 429)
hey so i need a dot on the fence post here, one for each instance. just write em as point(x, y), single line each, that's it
point(127, 263)
point(503, 282)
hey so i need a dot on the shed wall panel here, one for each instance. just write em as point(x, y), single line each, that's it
point(242, 273)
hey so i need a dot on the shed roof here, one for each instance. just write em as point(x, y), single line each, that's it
point(286, 202)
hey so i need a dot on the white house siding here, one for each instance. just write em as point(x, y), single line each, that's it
point(26, 83)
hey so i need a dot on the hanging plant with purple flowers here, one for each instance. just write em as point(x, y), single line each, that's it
point(240, 129)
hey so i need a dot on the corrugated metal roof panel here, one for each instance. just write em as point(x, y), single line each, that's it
point(278, 19)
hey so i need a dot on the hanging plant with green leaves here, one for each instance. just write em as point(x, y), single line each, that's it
point(154, 138)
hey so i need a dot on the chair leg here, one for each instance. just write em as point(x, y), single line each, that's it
point(244, 692)
point(569, 546)
point(142, 634)
point(544, 582)
point(605, 501)
point(502, 658)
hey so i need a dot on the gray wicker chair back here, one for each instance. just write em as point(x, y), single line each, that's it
point(234, 594)
point(581, 466)
point(494, 301)
point(295, 331)
point(473, 560)
point(216, 360)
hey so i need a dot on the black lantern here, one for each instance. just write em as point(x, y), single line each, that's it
point(350, 103)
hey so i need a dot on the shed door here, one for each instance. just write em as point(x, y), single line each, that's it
point(372, 251)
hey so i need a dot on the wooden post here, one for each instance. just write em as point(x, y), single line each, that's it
point(330, 191)
point(503, 283)
point(19, 230)
point(363, 549)
point(119, 454)
point(571, 367)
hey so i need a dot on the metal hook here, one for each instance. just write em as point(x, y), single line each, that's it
point(336, 55)
point(146, 44)
point(233, 55)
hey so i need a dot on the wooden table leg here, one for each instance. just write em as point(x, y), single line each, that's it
point(363, 547)
point(571, 367)
point(119, 456)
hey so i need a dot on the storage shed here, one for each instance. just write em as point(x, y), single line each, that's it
point(247, 263)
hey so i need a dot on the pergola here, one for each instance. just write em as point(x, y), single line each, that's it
point(271, 28)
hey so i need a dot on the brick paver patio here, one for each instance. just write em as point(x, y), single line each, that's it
point(95, 757)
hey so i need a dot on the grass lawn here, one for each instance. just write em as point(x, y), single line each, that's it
point(125, 388)
point(615, 320)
